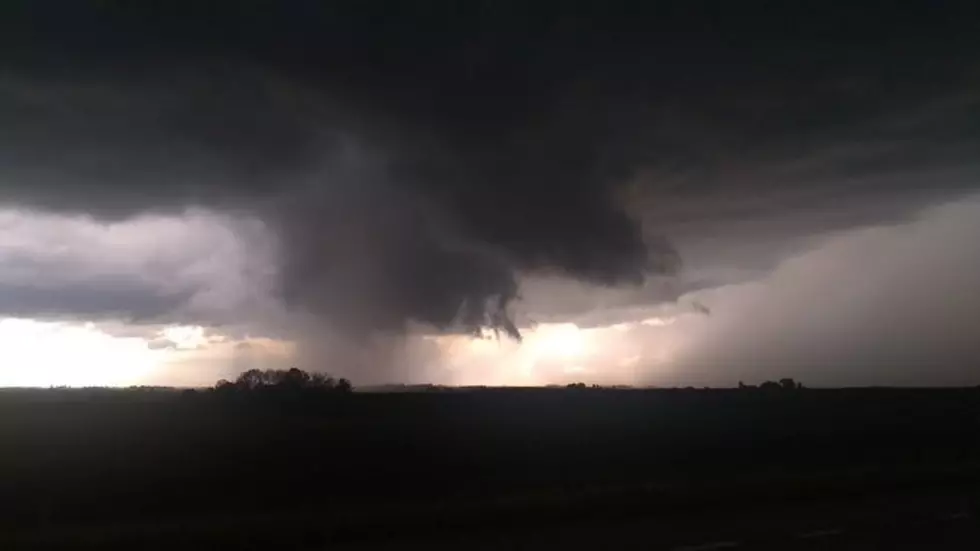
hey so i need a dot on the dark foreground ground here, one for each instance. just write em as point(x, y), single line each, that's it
point(542, 468)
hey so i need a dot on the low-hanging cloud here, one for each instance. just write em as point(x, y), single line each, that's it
point(880, 305)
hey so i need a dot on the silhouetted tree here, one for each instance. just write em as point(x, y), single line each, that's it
point(322, 381)
point(343, 386)
point(273, 377)
point(250, 380)
point(786, 384)
point(284, 381)
point(770, 386)
point(294, 379)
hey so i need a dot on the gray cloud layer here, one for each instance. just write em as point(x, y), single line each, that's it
point(195, 268)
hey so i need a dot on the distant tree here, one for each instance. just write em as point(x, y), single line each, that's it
point(770, 386)
point(294, 379)
point(272, 377)
point(280, 381)
point(787, 384)
point(343, 386)
point(250, 380)
point(322, 381)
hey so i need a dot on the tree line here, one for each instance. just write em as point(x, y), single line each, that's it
point(283, 380)
point(786, 384)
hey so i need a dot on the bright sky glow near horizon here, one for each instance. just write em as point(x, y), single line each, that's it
point(42, 354)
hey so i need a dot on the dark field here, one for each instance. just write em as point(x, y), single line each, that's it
point(168, 469)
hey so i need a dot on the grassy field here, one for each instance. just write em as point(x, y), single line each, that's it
point(130, 466)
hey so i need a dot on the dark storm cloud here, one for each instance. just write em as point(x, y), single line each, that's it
point(414, 158)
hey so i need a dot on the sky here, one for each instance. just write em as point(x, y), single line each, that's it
point(489, 193)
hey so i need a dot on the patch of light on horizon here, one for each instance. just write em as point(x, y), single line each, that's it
point(560, 341)
point(552, 353)
point(43, 353)
point(35, 353)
